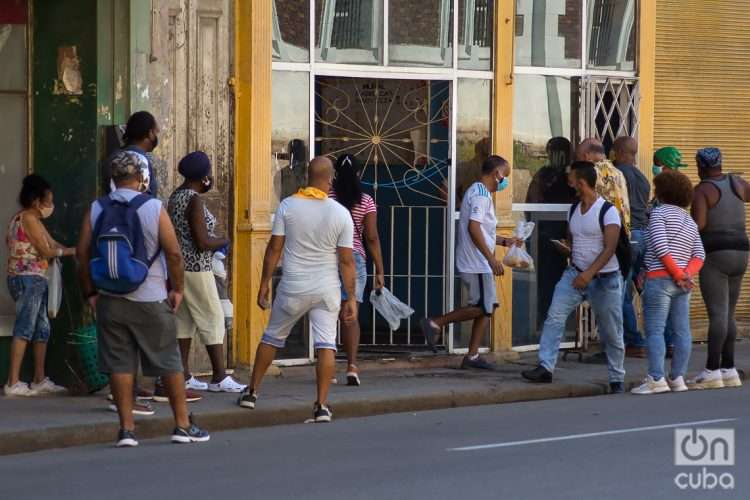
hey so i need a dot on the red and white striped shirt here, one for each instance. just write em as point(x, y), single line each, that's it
point(358, 211)
point(673, 243)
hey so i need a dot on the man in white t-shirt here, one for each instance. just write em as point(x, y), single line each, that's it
point(315, 234)
point(475, 260)
point(594, 275)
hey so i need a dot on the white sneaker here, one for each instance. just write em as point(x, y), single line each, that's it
point(651, 386)
point(707, 379)
point(731, 377)
point(227, 385)
point(677, 385)
point(195, 384)
point(47, 386)
point(19, 389)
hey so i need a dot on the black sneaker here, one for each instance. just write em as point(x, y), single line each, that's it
point(616, 387)
point(430, 332)
point(192, 434)
point(322, 414)
point(478, 364)
point(247, 399)
point(126, 439)
point(539, 375)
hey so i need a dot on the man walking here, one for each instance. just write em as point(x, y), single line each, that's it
point(594, 227)
point(639, 189)
point(315, 234)
point(475, 260)
point(127, 250)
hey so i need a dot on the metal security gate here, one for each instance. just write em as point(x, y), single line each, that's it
point(399, 131)
point(610, 109)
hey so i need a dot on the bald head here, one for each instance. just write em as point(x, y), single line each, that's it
point(320, 173)
point(590, 149)
point(626, 150)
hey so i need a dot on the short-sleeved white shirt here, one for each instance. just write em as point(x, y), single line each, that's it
point(313, 230)
point(477, 205)
point(588, 238)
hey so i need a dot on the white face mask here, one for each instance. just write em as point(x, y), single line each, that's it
point(47, 211)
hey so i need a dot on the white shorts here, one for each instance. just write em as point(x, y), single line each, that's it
point(287, 310)
point(201, 313)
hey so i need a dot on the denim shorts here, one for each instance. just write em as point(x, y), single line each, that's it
point(30, 296)
point(359, 287)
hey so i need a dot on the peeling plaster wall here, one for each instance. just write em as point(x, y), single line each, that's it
point(180, 66)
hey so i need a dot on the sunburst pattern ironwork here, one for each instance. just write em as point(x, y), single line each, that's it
point(386, 124)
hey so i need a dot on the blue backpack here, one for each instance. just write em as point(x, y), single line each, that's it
point(119, 259)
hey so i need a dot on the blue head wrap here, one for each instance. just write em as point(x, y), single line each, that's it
point(195, 166)
point(708, 158)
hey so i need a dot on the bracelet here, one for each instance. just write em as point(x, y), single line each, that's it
point(59, 252)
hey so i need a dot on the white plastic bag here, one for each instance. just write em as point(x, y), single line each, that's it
point(54, 288)
point(389, 307)
point(517, 257)
point(217, 265)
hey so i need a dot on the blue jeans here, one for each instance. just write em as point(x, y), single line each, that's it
point(605, 296)
point(30, 296)
point(633, 337)
point(360, 265)
point(662, 299)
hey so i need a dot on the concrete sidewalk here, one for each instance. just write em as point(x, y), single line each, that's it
point(42, 423)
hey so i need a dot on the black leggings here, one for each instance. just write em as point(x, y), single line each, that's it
point(721, 279)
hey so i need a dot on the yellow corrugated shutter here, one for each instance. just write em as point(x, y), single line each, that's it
point(702, 95)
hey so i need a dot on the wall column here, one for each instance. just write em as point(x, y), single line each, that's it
point(502, 144)
point(252, 174)
point(647, 84)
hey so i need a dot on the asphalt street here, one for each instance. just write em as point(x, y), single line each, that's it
point(606, 447)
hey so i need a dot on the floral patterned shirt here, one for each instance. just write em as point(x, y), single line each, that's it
point(612, 186)
point(23, 258)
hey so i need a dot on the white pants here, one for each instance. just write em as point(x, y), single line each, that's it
point(288, 309)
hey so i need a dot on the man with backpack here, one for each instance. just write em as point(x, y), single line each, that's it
point(599, 258)
point(127, 251)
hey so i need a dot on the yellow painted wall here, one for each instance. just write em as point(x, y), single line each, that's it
point(702, 89)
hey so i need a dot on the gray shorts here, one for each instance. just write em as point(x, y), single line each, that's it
point(129, 330)
point(482, 291)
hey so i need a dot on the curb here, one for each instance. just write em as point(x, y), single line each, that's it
point(103, 432)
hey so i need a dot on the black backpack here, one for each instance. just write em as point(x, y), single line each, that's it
point(622, 251)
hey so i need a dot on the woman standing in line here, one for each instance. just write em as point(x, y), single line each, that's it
point(30, 247)
point(674, 255)
point(201, 313)
point(347, 190)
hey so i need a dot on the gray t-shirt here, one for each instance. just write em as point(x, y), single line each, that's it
point(154, 289)
point(638, 192)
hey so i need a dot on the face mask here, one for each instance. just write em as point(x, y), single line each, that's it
point(47, 211)
point(208, 184)
point(502, 184)
point(656, 170)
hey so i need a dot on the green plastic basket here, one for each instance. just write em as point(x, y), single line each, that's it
point(84, 343)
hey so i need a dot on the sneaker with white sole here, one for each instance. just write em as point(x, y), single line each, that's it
point(126, 439)
point(227, 385)
point(247, 399)
point(651, 386)
point(707, 379)
point(191, 434)
point(731, 377)
point(677, 384)
point(19, 390)
point(47, 386)
point(322, 414)
point(195, 384)
point(139, 408)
